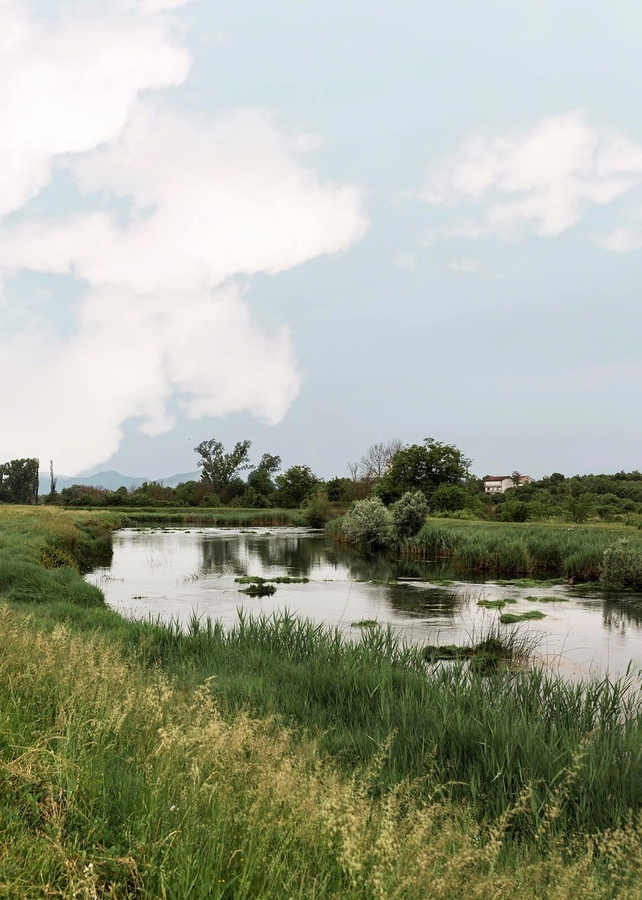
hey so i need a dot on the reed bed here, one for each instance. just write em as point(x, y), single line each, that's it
point(574, 553)
point(225, 516)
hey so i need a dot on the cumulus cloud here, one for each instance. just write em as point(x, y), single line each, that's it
point(69, 84)
point(542, 180)
point(176, 207)
point(208, 202)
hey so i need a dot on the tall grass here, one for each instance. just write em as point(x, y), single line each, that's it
point(118, 782)
point(225, 516)
point(571, 552)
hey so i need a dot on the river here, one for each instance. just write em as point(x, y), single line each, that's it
point(173, 573)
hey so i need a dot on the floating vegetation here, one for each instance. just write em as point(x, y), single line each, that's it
point(527, 582)
point(366, 623)
point(495, 604)
point(512, 618)
point(288, 579)
point(547, 599)
point(258, 590)
point(279, 579)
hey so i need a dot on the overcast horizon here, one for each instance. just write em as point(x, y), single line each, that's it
point(317, 227)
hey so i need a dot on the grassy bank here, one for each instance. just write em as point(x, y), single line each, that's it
point(570, 552)
point(276, 760)
point(225, 516)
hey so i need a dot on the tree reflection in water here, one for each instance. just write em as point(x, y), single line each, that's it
point(305, 555)
point(618, 614)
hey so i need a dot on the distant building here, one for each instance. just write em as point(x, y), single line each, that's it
point(497, 484)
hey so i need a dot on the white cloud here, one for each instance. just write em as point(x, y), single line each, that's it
point(161, 326)
point(209, 202)
point(68, 85)
point(127, 360)
point(622, 240)
point(542, 180)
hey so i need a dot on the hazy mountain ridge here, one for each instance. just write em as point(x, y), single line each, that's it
point(111, 480)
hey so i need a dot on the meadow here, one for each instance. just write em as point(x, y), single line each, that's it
point(277, 759)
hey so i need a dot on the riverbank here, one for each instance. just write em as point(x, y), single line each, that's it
point(278, 760)
point(573, 553)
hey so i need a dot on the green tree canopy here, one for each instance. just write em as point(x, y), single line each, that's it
point(261, 480)
point(19, 481)
point(219, 468)
point(294, 486)
point(423, 468)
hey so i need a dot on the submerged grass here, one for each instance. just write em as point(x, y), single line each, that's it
point(278, 759)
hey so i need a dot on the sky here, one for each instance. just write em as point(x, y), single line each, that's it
point(317, 226)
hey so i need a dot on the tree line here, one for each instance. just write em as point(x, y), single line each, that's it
point(437, 470)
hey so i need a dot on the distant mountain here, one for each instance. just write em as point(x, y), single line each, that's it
point(112, 480)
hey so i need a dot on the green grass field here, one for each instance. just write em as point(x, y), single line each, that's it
point(279, 760)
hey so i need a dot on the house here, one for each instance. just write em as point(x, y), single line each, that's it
point(497, 484)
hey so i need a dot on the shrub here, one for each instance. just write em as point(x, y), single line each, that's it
point(317, 508)
point(408, 515)
point(449, 497)
point(368, 524)
point(622, 565)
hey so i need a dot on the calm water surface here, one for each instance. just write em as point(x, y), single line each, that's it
point(173, 573)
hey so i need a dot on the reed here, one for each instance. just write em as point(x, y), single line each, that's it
point(117, 782)
point(572, 553)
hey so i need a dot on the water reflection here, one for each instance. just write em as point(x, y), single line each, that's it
point(172, 572)
point(618, 614)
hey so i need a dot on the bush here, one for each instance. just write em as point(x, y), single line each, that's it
point(368, 524)
point(317, 508)
point(513, 511)
point(622, 565)
point(408, 515)
point(449, 497)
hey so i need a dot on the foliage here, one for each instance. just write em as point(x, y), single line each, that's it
point(513, 511)
point(408, 515)
point(622, 565)
point(449, 497)
point(422, 468)
point(261, 480)
point(368, 524)
point(317, 508)
point(19, 481)
point(219, 468)
point(294, 486)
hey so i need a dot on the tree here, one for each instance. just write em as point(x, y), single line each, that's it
point(377, 458)
point(19, 481)
point(516, 478)
point(261, 480)
point(423, 468)
point(294, 486)
point(219, 468)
